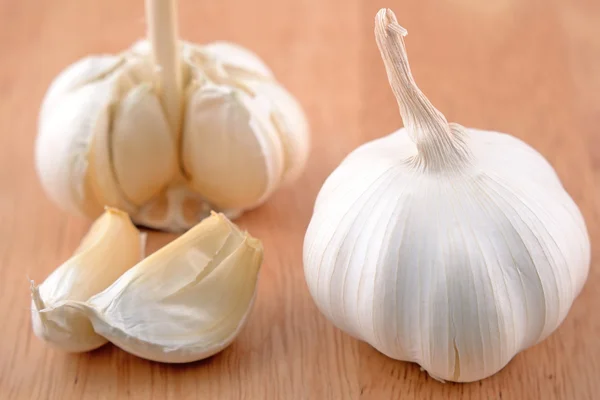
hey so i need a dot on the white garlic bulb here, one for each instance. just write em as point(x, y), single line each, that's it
point(446, 246)
point(111, 247)
point(168, 130)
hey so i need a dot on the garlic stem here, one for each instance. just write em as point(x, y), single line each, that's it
point(161, 16)
point(426, 126)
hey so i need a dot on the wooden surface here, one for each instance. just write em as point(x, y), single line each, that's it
point(525, 67)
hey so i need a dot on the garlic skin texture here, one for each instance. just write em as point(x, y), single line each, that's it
point(186, 302)
point(450, 247)
point(111, 247)
point(109, 134)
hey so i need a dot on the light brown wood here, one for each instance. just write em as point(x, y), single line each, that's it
point(525, 67)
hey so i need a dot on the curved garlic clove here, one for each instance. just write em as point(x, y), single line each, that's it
point(111, 247)
point(230, 152)
point(447, 246)
point(187, 301)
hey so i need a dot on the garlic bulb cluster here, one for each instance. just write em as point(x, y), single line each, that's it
point(168, 130)
point(446, 246)
point(186, 302)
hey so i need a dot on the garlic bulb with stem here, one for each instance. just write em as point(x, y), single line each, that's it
point(168, 130)
point(450, 247)
point(111, 247)
point(185, 302)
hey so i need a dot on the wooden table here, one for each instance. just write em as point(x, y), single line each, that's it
point(524, 67)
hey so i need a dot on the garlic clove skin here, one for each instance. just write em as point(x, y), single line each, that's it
point(446, 246)
point(187, 301)
point(112, 246)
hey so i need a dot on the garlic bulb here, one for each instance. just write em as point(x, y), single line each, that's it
point(446, 246)
point(185, 302)
point(168, 130)
point(111, 247)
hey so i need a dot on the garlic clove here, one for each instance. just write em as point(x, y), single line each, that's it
point(271, 100)
point(289, 121)
point(74, 145)
point(185, 302)
point(230, 151)
point(143, 153)
point(111, 246)
point(63, 144)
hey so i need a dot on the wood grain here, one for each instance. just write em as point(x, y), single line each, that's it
point(529, 68)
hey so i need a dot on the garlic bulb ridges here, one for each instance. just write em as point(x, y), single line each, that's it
point(168, 116)
point(447, 246)
point(185, 302)
point(111, 247)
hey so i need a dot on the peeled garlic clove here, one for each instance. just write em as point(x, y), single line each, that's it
point(187, 301)
point(446, 246)
point(111, 247)
point(230, 152)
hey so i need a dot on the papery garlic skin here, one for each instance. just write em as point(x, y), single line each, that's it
point(187, 301)
point(455, 252)
point(105, 137)
point(111, 247)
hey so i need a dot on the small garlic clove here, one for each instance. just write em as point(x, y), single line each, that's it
point(230, 151)
point(143, 153)
point(187, 301)
point(111, 246)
